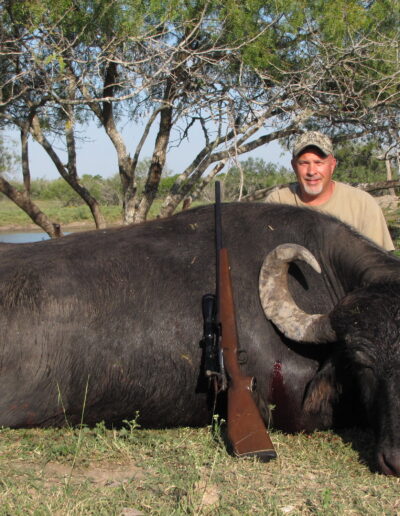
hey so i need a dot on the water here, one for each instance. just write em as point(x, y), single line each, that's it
point(24, 238)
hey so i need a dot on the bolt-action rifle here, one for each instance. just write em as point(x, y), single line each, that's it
point(246, 430)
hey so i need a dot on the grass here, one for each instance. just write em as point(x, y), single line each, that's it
point(11, 215)
point(14, 217)
point(186, 471)
point(393, 220)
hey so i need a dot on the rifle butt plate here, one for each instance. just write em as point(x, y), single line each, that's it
point(261, 455)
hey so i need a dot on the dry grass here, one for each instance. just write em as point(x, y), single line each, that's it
point(187, 471)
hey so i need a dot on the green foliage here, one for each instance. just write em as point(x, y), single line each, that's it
point(141, 172)
point(334, 62)
point(337, 22)
point(165, 185)
point(8, 158)
point(60, 190)
point(82, 18)
point(257, 174)
point(106, 191)
point(273, 34)
point(357, 162)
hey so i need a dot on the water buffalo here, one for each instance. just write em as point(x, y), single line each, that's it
point(107, 323)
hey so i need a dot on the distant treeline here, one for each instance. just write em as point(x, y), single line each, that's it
point(252, 174)
point(107, 191)
point(356, 163)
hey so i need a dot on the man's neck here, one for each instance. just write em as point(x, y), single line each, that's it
point(316, 200)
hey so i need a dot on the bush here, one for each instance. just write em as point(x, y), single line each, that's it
point(166, 185)
point(108, 192)
point(257, 174)
point(59, 190)
point(357, 162)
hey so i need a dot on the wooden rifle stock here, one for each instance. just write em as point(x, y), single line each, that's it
point(246, 429)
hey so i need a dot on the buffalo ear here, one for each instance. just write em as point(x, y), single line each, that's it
point(322, 393)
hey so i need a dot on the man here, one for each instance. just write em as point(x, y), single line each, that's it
point(314, 164)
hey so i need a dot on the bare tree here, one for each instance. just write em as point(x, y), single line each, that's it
point(245, 77)
point(26, 105)
point(23, 198)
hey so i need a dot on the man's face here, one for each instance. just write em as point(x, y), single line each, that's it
point(314, 172)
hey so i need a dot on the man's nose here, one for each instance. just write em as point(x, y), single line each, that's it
point(311, 169)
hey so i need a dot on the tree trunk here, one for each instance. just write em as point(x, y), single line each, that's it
point(157, 164)
point(25, 160)
point(71, 175)
point(389, 175)
point(126, 165)
point(126, 168)
point(22, 200)
point(90, 201)
point(173, 200)
point(129, 202)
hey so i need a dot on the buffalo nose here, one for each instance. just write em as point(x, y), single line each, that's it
point(389, 462)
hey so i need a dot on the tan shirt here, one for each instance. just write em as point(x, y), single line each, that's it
point(350, 205)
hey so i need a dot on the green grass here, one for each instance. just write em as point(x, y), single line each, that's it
point(186, 471)
point(393, 220)
point(11, 215)
point(14, 217)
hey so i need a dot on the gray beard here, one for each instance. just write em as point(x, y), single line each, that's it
point(312, 191)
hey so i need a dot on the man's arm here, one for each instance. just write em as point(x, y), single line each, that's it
point(375, 227)
point(273, 196)
point(283, 195)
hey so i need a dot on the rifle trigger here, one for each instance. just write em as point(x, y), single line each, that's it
point(253, 385)
point(242, 356)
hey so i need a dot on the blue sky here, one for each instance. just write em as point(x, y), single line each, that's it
point(97, 155)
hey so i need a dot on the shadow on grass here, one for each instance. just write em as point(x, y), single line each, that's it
point(363, 442)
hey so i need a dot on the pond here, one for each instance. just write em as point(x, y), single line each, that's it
point(22, 238)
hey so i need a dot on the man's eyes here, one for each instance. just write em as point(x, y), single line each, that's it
point(308, 163)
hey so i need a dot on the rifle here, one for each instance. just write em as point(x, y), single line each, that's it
point(245, 427)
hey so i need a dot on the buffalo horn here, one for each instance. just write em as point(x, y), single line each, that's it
point(278, 303)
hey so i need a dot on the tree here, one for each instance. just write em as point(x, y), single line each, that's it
point(251, 175)
point(359, 162)
point(246, 74)
point(8, 163)
point(25, 105)
point(8, 158)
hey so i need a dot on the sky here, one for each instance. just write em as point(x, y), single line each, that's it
point(97, 155)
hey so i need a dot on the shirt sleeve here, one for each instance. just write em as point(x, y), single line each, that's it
point(273, 197)
point(375, 227)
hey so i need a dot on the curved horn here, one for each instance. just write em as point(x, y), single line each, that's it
point(278, 303)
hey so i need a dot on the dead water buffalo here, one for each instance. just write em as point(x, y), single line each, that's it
point(114, 318)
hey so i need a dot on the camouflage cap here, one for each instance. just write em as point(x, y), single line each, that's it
point(315, 139)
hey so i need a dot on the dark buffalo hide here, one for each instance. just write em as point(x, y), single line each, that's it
point(111, 321)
